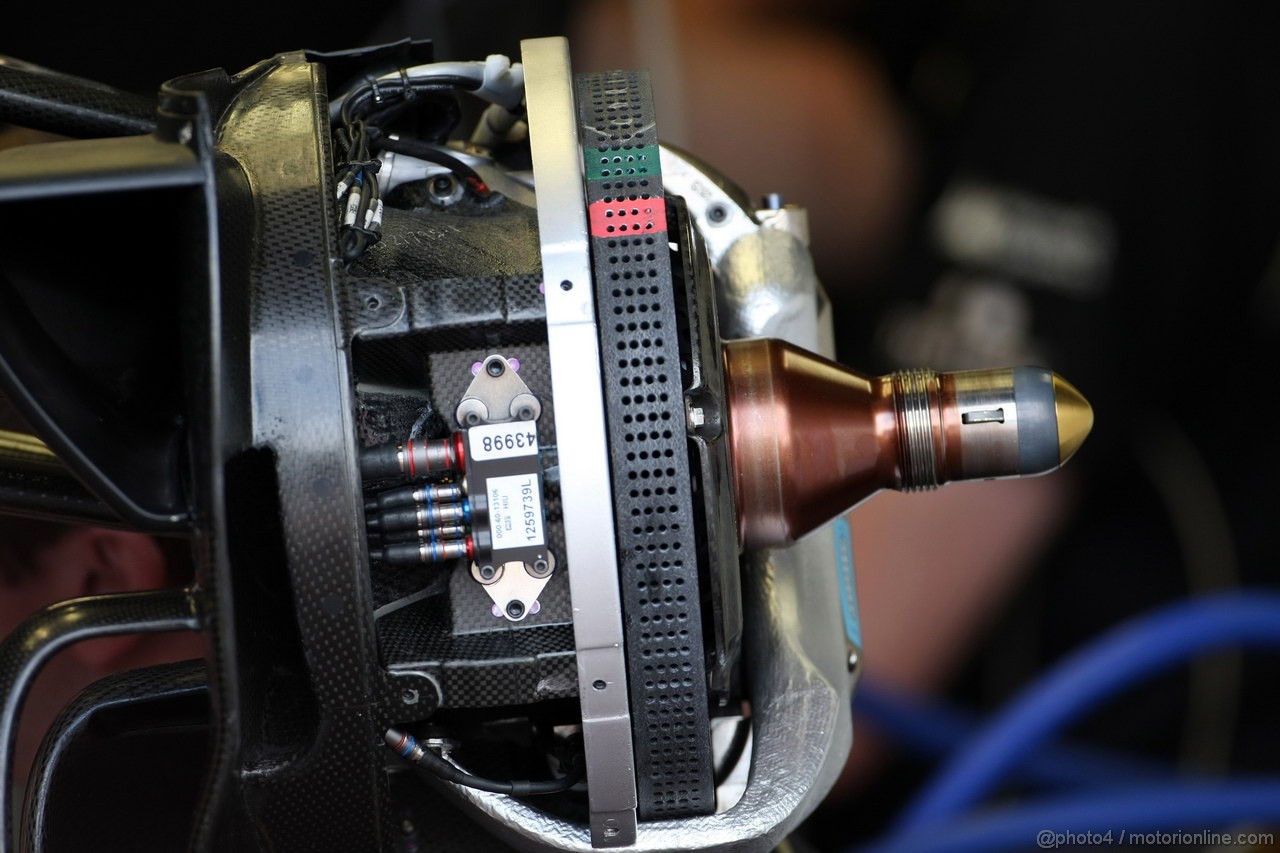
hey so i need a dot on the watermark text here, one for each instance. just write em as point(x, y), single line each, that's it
point(1048, 839)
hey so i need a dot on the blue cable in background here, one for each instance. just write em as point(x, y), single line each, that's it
point(1121, 658)
point(934, 731)
point(1179, 808)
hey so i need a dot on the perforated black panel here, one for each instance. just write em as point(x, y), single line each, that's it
point(640, 351)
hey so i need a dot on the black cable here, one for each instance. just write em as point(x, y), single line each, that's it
point(355, 104)
point(359, 197)
point(419, 756)
point(442, 769)
point(360, 217)
point(363, 110)
point(436, 114)
point(432, 154)
point(734, 753)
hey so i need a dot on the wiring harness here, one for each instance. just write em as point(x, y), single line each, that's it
point(359, 199)
point(363, 115)
point(407, 747)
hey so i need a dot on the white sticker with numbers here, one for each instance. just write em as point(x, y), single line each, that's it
point(515, 511)
point(503, 441)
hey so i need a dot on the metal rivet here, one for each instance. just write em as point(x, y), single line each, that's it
point(599, 684)
point(515, 609)
point(717, 213)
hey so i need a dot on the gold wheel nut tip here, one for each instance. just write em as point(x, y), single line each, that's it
point(1075, 418)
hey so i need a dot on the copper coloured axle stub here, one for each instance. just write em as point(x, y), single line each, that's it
point(810, 438)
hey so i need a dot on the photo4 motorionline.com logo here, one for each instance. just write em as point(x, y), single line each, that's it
point(1049, 839)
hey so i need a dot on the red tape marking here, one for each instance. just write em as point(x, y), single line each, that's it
point(628, 218)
